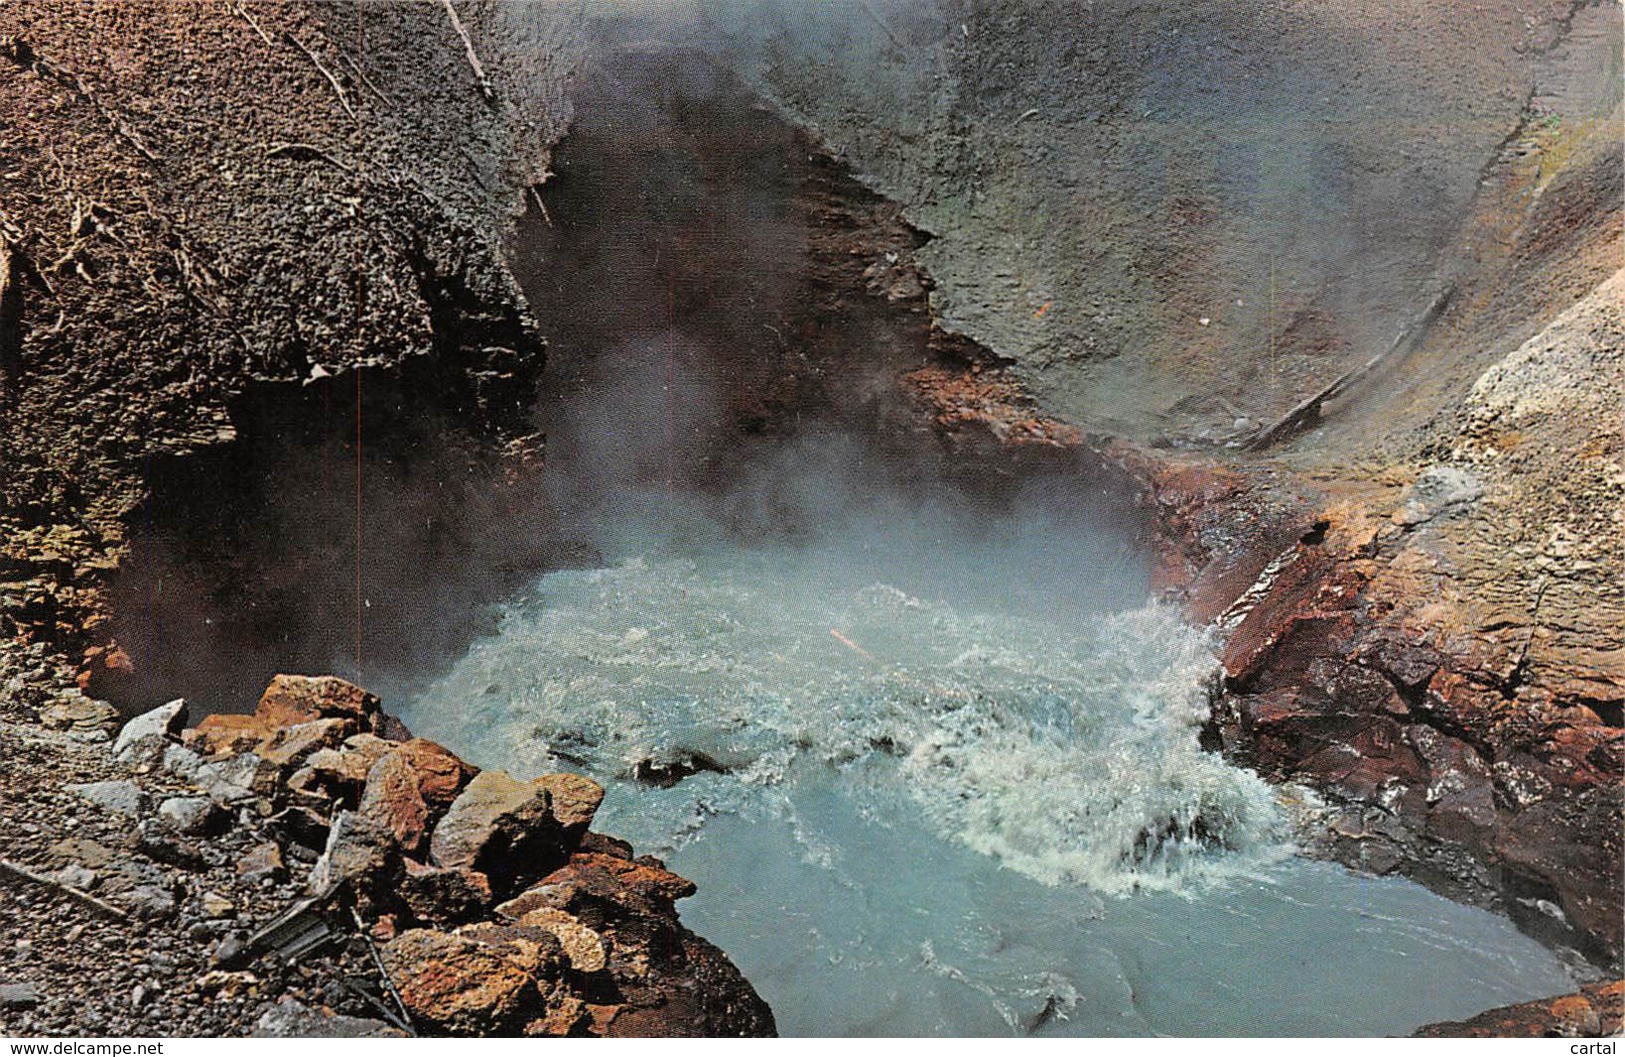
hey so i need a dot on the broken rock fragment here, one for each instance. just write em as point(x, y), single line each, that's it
point(510, 829)
point(392, 802)
point(441, 775)
point(444, 896)
point(457, 984)
point(145, 738)
point(358, 852)
point(289, 746)
point(121, 796)
point(190, 815)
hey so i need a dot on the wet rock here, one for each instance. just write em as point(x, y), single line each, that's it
point(591, 880)
point(292, 1019)
point(1593, 1012)
point(120, 795)
point(191, 816)
point(444, 896)
point(392, 801)
point(666, 770)
point(509, 829)
point(19, 997)
point(145, 738)
point(456, 984)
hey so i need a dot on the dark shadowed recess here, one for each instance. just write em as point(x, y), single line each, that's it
point(721, 369)
point(284, 551)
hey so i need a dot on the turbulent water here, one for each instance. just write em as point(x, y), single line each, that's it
point(910, 816)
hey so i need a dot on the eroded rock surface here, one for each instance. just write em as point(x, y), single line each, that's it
point(1593, 1011)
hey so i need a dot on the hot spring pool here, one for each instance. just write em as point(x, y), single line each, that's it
point(915, 816)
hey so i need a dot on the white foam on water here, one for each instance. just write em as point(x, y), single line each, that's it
point(1068, 753)
point(909, 816)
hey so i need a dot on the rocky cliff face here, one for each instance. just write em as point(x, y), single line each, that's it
point(1441, 658)
point(1177, 230)
point(198, 198)
point(1173, 221)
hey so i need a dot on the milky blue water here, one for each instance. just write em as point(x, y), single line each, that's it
point(915, 815)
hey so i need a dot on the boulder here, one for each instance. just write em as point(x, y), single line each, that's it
point(295, 699)
point(456, 984)
point(593, 880)
point(535, 950)
point(441, 774)
point(575, 800)
point(359, 854)
point(145, 738)
point(442, 896)
point(392, 801)
point(510, 829)
point(237, 779)
point(291, 701)
point(179, 761)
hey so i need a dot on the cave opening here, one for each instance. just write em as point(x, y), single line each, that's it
point(731, 323)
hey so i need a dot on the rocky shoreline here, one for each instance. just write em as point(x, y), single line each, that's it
point(314, 869)
point(1469, 741)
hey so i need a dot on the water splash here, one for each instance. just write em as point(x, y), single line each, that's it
point(1067, 751)
point(910, 817)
